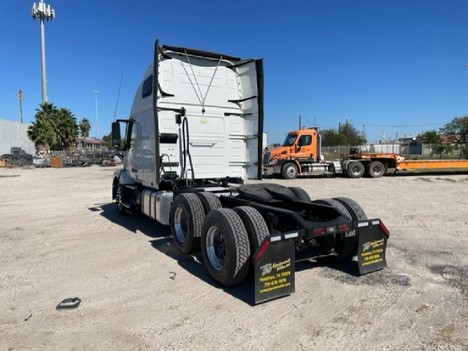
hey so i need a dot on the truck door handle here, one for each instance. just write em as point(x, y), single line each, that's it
point(202, 144)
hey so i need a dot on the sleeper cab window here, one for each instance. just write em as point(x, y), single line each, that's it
point(147, 87)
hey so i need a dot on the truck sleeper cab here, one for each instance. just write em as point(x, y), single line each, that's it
point(194, 136)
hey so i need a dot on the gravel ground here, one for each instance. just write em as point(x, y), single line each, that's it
point(60, 237)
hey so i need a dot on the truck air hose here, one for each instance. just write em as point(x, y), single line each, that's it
point(186, 143)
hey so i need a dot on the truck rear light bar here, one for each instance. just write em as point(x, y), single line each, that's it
point(343, 228)
point(319, 231)
point(330, 230)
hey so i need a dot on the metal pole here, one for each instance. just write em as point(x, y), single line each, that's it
point(96, 92)
point(21, 97)
point(44, 13)
point(43, 60)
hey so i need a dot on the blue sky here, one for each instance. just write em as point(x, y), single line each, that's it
point(389, 67)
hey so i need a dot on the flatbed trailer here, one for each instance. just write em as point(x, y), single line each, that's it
point(357, 164)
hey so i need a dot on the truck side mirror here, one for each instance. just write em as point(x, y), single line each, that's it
point(116, 138)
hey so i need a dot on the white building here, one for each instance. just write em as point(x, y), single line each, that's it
point(14, 134)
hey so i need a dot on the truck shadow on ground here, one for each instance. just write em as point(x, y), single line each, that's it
point(194, 265)
point(160, 239)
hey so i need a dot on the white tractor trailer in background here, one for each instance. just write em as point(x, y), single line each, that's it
point(192, 140)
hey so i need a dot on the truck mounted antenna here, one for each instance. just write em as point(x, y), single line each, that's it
point(118, 96)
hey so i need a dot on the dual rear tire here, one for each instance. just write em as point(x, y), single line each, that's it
point(227, 237)
point(374, 169)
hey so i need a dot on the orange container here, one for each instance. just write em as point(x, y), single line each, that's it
point(56, 162)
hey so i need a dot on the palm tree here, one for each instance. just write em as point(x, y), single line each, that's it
point(42, 134)
point(53, 128)
point(41, 131)
point(85, 127)
point(66, 128)
point(45, 110)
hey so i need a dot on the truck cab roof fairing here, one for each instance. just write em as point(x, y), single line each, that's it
point(195, 52)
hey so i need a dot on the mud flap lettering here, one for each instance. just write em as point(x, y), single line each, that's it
point(372, 246)
point(274, 268)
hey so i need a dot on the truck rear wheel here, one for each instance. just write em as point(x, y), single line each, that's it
point(353, 207)
point(289, 171)
point(209, 201)
point(356, 212)
point(225, 247)
point(355, 170)
point(256, 227)
point(187, 217)
point(375, 169)
point(300, 193)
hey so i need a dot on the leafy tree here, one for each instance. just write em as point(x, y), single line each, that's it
point(443, 149)
point(53, 128)
point(458, 129)
point(85, 127)
point(433, 138)
point(331, 137)
point(430, 137)
point(347, 135)
point(108, 140)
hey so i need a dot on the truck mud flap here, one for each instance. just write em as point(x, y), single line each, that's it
point(274, 269)
point(372, 241)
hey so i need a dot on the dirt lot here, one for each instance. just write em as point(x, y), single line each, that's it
point(60, 237)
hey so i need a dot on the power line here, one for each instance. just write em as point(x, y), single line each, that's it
point(403, 125)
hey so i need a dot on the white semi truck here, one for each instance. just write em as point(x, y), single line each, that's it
point(194, 136)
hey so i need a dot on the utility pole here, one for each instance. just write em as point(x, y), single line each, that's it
point(44, 13)
point(20, 98)
point(96, 92)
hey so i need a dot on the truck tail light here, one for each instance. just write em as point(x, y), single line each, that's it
point(384, 229)
point(319, 231)
point(261, 249)
point(343, 228)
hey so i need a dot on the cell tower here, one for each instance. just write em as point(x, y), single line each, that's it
point(44, 13)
